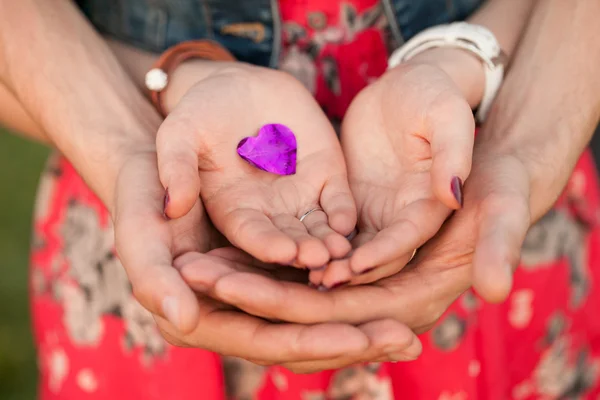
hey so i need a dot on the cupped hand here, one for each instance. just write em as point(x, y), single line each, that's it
point(258, 211)
point(151, 248)
point(479, 245)
point(408, 143)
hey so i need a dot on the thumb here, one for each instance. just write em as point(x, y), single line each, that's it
point(504, 219)
point(144, 241)
point(178, 146)
point(452, 134)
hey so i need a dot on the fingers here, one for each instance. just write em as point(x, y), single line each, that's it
point(336, 274)
point(452, 134)
point(403, 299)
point(202, 271)
point(504, 219)
point(178, 147)
point(312, 252)
point(253, 231)
point(143, 241)
point(338, 203)
point(412, 227)
point(238, 334)
point(255, 293)
point(389, 340)
point(317, 225)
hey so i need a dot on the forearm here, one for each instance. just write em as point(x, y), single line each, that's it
point(549, 105)
point(15, 117)
point(72, 86)
point(136, 62)
point(506, 19)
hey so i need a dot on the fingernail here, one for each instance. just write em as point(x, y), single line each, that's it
point(401, 356)
point(457, 190)
point(411, 353)
point(392, 349)
point(366, 271)
point(166, 203)
point(322, 288)
point(352, 234)
point(171, 310)
point(338, 284)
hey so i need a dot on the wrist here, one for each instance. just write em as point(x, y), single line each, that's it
point(547, 145)
point(98, 146)
point(189, 73)
point(465, 70)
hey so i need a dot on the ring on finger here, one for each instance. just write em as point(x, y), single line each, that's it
point(414, 253)
point(306, 214)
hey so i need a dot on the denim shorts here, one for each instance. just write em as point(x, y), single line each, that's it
point(250, 29)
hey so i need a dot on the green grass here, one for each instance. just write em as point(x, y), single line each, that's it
point(20, 165)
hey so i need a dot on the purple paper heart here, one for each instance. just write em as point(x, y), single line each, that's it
point(272, 150)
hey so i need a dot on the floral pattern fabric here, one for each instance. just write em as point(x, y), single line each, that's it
point(96, 342)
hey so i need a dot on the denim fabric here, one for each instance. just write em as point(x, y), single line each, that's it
point(412, 16)
point(250, 29)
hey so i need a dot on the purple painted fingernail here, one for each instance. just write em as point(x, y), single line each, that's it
point(338, 284)
point(166, 204)
point(352, 235)
point(456, 186)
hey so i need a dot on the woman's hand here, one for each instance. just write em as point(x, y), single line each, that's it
point(257, 211)
point(408, 142)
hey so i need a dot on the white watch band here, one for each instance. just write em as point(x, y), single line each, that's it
point(472, 38)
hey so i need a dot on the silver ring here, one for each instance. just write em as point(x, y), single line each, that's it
point(413, 255)
point(312, 210)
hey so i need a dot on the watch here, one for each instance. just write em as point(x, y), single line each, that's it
point(475, 39)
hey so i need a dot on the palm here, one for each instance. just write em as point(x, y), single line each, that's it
point(390, 176)
point(486, 236)
point(258, 211)
point(154, 250)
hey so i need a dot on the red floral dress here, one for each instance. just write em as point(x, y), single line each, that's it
point(96, 342)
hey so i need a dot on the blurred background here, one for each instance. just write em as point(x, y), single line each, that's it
point(21, 162)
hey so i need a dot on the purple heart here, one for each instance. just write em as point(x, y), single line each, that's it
point(272, 150)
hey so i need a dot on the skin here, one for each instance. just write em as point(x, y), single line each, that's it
point(538, 128)
point(153, 288)
point(257, 211)
point(420, 137)
point(430, 98)
point(119, 162)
